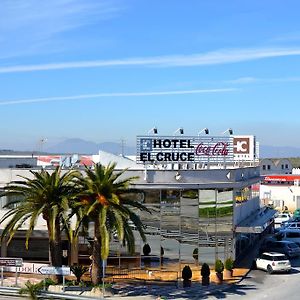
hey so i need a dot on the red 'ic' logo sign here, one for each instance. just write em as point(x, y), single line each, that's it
point(241, 145)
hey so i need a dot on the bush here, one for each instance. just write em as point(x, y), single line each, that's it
point(31, 289)
point(78, 271)
point(229, 264)
point(187, 273)
point(219, 266)
point(205, 270)
point(146, 249)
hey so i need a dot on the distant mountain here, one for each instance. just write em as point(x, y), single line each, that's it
point(85, 147)
point(278, 152)
point(81, 146)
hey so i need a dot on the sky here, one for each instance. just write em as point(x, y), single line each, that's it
point(105, 70)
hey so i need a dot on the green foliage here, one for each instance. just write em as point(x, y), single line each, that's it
point(229, 264)
point(205, 270)
point(187, 273)
point(44, 194)
point(212, 212)
point(219, 266)
point(31, 289)
point(78, 271)
point(104, 199)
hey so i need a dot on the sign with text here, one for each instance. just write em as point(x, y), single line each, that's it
point(54, 270)
point(184, 149)
point(11, 262)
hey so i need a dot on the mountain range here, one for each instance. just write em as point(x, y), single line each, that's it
point(81, 146)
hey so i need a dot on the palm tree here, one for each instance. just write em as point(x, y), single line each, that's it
point(104, 201)
point(47, 195)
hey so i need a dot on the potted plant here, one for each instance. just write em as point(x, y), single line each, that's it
point(146, 252)
point(228, 267)
point(195, 255)
point(187, 276)
point(146, 249)
point(219, 268)
point(205, 273)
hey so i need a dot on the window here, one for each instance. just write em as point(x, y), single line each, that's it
point(269, 167)
point(282, 167)
point(293, 234)
point(286, 166)
point(264, 167)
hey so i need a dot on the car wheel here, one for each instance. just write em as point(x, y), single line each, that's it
point(269, 269)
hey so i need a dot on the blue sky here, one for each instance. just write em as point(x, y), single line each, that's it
point(111, 70)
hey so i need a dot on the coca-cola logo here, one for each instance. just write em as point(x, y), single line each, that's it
point(218, 149)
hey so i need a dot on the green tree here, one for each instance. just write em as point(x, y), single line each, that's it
point(47, 195)
point(105, 201)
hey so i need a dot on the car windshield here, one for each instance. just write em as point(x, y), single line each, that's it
point(279, 257)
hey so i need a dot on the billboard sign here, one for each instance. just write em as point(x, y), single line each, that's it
point(184, 149)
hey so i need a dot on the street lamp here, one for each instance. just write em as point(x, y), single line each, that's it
point(180, 130)
point(153, 130)
point(229, 130)
point(205, 130)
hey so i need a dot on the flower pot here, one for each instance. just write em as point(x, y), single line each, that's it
point(187, 283)
point(219, 277)
point(205, 280)
point(228, 273)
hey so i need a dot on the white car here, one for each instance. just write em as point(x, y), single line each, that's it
point(282, 217)
point(273, 262)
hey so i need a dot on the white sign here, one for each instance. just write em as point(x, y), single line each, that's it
point(55, 271)
point(29, 268)
point(184, 149)
point(11, 262)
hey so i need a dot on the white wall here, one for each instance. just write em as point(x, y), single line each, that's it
point(287, 193)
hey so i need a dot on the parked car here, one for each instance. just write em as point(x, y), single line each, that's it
point(282, 217)
point(287, 234)
point(290, 249)
point(297, 213)
point(272, 262)
point(290, 225)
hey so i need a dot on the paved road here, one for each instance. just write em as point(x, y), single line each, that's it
point(260, 285)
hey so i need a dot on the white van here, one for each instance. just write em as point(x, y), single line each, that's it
point(292, 235)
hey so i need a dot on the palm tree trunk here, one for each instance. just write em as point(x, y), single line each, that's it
point(96, 271)
point(55, 249)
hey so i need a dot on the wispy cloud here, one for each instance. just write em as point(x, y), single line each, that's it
point(250, 80)
point(106, 95)
point(34, 26)
point(201, 59)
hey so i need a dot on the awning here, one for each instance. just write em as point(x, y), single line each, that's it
point(257, 222)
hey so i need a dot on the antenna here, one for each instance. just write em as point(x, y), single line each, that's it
point(41, 142)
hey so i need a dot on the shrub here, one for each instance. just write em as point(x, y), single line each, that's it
point(205, 270)
point(146, 249)
point(31, 289)
point(187, 273)
point(229, 264)
point(78, 271)
point(219, 266)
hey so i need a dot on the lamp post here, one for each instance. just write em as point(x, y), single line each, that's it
point(180, 130)
point(205, 130)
